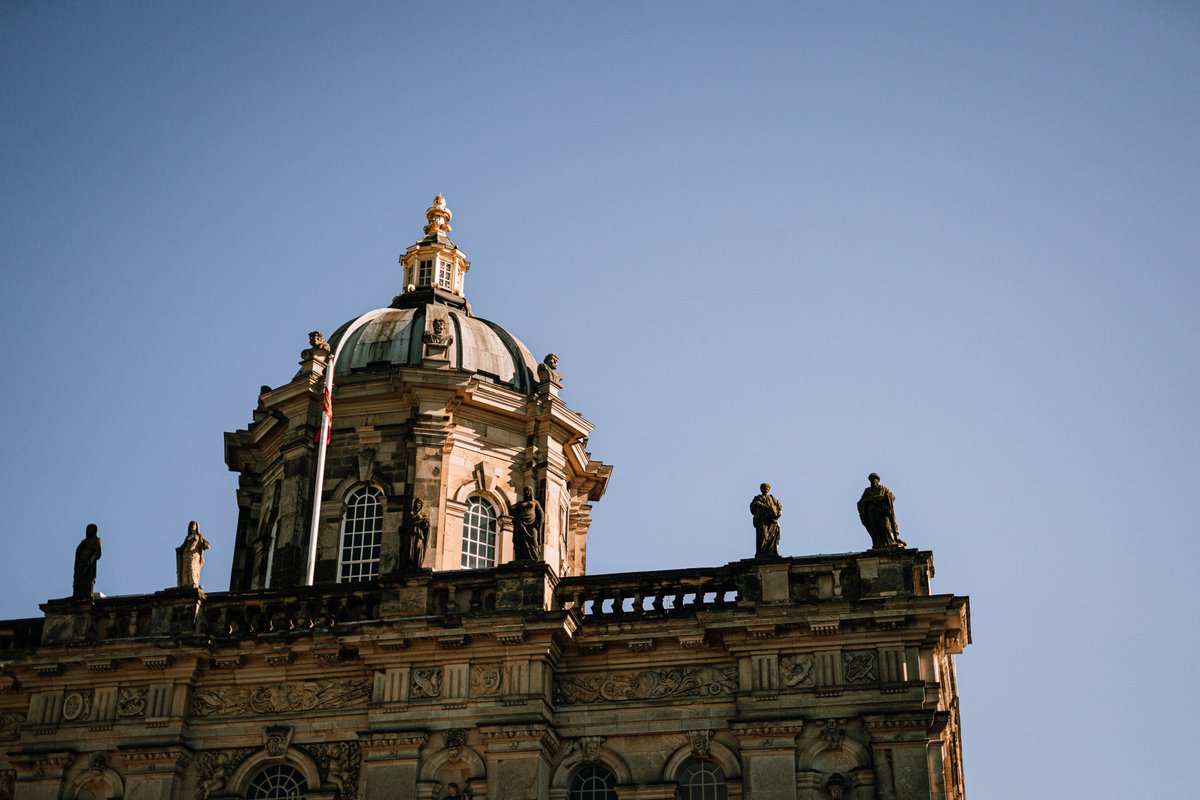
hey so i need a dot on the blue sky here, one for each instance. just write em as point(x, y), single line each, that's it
point(956, 244)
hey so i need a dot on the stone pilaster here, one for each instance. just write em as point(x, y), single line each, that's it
point(901, 746)
point(769, 757)
point(154, 773)
point(392, 764)
point(518, 759)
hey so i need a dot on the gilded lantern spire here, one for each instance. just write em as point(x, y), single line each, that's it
point(438, 216)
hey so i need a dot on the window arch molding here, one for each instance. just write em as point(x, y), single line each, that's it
point(725, 758)
point(560, 784)
point(257, 762)
point(363, 507)
point(499, 500)
point(469, 764)
point(95, 772)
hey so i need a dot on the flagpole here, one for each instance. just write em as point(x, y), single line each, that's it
point(323, 443)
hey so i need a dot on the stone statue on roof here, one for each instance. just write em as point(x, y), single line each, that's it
point(86, 555)
point(876, 510)
point(189, 557)
point(766, 510)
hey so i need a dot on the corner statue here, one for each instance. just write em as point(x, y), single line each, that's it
point(527, 528)
point(877, 511)
point(766, 511)
point(86, 556)
point(189, 557)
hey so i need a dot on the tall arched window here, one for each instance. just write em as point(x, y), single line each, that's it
point(479, 535)
point(362, 533)
point(277, 782)
point(701, 780)
point(594, 782)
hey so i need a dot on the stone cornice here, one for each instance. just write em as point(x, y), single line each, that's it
point(527, 737)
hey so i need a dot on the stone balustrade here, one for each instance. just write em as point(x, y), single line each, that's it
point(517, 587)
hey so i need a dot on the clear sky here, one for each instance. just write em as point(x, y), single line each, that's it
point(954, 243)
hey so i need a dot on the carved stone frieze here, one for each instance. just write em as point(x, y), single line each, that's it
point(340, 764)
point(426, 682)
point(797, 671)
point(77, 706)
point(280, 698)
point(860, 667)
point(131, 702)
point(391, 745)
point(515, 738)
point(485, 680)
point(10, 724)
point(652, 684)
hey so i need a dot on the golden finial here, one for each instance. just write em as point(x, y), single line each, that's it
point(438, 216)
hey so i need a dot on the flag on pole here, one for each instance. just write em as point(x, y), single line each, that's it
point(327, 416)
point(327, 411)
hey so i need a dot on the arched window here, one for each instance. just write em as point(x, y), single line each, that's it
point(593, 782)
point(362, 533)
point(479, 535)
point(701, 780)
point(277, 782)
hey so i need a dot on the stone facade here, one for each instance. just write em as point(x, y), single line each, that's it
point(777, 678)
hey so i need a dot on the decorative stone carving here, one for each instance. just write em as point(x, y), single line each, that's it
point(317, 348)
point(439, 338)
point(276, 739)
point(876, 510)
point(8, 782)
point(426, 682)
point(87, 553)
point(797, 671)
point(214, 768)
point(485, 680)
point(664, 684)
point(340, 763)
point(77, 706)
point(548, 370)
point(10, 724)
point(132, 702)
point(860, 667)
point(591, 746)
point(454, 740)
point(700, 741)
point(766, 510)
point(189, 557)
point(833, 731)
point(528, 523)
point(307, 696)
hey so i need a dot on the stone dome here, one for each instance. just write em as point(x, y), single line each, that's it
point(393, 337)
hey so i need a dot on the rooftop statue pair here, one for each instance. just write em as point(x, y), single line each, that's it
point(876, 511)
point(189, 558)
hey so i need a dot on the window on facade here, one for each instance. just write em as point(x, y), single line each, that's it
point(277, 782)
point(362, 533)
point(479, 535)
point(701, 780)
point(445, 275)
point(593, 782)
point(425, 272)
